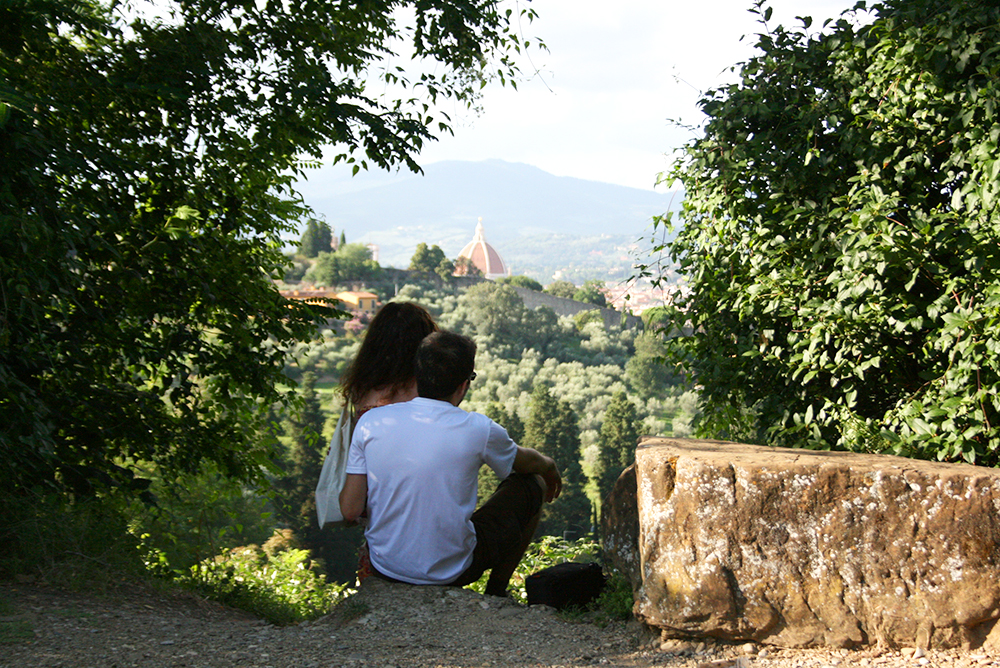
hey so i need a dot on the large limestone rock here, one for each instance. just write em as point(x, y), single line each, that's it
point(801, 548)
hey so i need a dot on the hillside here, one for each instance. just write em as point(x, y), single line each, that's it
point(539, 222)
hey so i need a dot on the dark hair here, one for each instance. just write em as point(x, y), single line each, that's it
point(444, 361)
point(385, 358)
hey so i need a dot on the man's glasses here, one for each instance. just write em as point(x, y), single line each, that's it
point(472, 377)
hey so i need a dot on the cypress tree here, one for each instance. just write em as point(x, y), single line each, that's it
point(616, 447)
point(552, 429)
point(324, 238)
point(309, 243)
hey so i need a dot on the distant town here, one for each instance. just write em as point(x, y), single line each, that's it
point(479, 259)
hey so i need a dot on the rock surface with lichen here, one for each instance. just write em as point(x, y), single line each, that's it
point(803, 548)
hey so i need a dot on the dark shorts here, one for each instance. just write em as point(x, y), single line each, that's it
point(500, 524)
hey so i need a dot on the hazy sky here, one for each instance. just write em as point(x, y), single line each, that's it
point(616, 71)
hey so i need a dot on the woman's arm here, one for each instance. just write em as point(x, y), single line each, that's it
point(354, 496)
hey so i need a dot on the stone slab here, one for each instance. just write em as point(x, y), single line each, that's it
point(804, 548)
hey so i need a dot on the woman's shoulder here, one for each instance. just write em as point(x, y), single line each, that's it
point(383, 396)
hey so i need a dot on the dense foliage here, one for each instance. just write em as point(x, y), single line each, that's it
point(561, 288)
point(350, 262)
point(553, 429)
point(616, 448)
point(148, 158)
point(427, 259)
point(275, 582)
point(316, 238)
point(591, 292)
point(840, 237)
point(521, 281)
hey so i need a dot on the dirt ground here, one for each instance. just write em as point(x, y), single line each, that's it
point(382, 625)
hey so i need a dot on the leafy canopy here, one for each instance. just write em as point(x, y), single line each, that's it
point(592, 292)
point(840, 238)
point(432, 259)
point(350, 262)
point(148, 169)
point(521, 281)
point(426, 258)
point(561, 288)
point(316, 238)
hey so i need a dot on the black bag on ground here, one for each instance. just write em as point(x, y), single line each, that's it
point(565, 585)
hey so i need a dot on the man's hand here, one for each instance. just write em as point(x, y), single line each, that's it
point(528, 460)
point(553, 481)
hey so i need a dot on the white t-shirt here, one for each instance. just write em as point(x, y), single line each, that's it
point(422, 460)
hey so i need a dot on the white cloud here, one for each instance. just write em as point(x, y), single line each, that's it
point(614, 75)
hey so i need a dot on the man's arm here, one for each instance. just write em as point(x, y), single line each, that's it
point(354, 496)
point(528, 460)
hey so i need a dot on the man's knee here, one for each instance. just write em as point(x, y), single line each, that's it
point(538, 482)
point(520, 493)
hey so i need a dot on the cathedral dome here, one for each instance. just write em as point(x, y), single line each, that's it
point(484, 256)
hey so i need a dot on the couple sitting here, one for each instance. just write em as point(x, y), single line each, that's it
point(413, 469)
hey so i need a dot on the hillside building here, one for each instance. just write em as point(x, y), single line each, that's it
point(483, 256)
point(359, 302)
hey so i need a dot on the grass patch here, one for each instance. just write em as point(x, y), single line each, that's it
point(616, 601)
point(12, 629)
point(613, 605)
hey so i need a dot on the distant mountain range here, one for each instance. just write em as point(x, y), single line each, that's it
point(543, 225)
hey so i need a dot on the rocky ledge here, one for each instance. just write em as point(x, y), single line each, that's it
point(800, 548)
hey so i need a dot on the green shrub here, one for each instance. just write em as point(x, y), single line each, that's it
point(197, 516)
point(616, 601)
point(279, 586)
point(75, 543)
point(839, 234)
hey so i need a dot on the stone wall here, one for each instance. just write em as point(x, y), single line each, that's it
point(802, 548)
point(569, 307)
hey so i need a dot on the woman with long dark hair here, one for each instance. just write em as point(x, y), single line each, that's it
point(383, 371)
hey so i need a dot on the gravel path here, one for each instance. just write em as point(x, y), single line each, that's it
point(383, 625)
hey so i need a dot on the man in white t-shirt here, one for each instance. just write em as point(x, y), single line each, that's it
point(413, 467)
